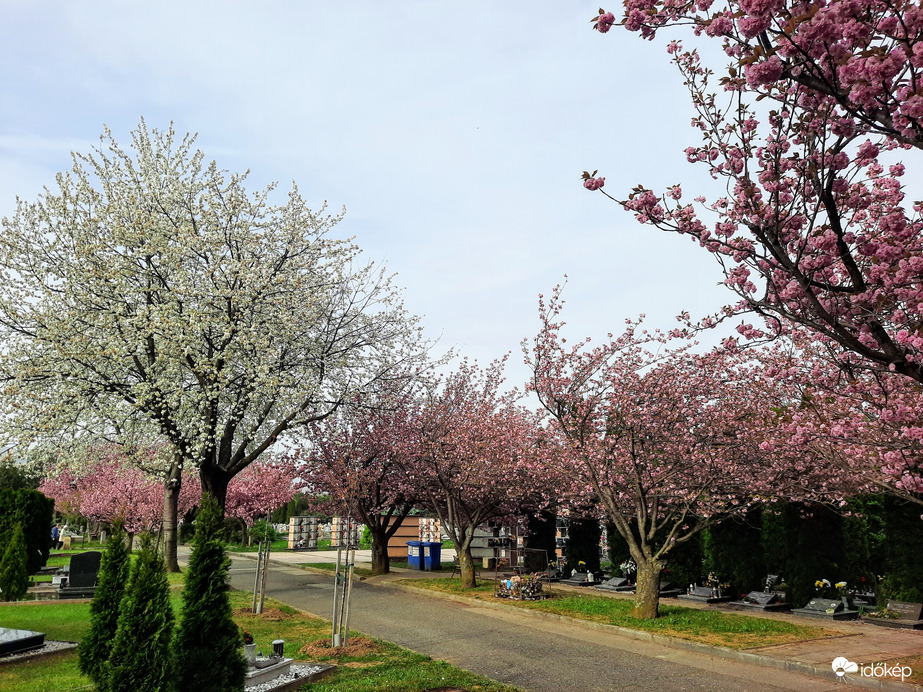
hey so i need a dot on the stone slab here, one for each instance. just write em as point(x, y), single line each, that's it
point(768, 608)
point(828, 614)
point(258, 676)
point(15, 641)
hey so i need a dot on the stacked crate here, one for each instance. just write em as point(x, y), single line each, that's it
point(302, 533)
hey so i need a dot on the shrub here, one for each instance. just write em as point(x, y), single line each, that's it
point(141, 653)
point(34, 512)
point(96, 647)
point(14, 577)
point(260, 530)
point(208, 645)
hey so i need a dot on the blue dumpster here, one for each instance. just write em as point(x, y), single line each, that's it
point(414, 555)
point(432, 556)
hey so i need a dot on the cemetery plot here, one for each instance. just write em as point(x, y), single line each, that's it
point(616, 584)
point(768, 601)
point(18, 641)
point(81, 576)
point(705, 594)
point(581, 579)
point(898, 614)
point(827, 609)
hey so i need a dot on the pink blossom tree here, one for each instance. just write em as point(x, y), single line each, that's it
point(355, 459)
point(815, 231)
point(260, 488)
point(476, 457)
point(664, 440)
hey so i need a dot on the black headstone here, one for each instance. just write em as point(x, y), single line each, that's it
point(664, 585)
point(762, 598)
point(83, 570)
point(617, 581)
point(702, 591)
point(907, 611)
point(14, 641)
point(824, 605)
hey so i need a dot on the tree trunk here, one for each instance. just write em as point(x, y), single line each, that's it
point(647, 590)
point(171, 488)
point(466, 566)
point(215, 482)
point(381, 563)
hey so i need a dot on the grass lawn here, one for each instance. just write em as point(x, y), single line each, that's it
point(706, 626)
point(367, 664)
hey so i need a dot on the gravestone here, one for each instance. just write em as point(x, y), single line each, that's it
point(667, 590)
point(17, 641)
point(766, 601)
point(81, 579)
point(704, 594)
point(580, 579)
point(827, 609)
point(616, 584)
point(910, 616)
point(907, 611)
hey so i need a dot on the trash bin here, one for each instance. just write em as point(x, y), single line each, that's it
point(414, 555)
point(432, 556)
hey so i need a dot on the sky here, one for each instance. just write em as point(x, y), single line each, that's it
point(454, 135)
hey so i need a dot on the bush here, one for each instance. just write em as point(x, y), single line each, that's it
point(34, 512)
point(14, 577)
point(260, 530)
point(96, 647)
point(208, 645)
point(141, 653)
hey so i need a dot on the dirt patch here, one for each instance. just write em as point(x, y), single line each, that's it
point(357, 646)
point(268, 614)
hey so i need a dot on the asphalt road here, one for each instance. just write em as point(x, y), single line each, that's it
point(533, 654)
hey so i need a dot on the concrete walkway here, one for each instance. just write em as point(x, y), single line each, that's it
point(552, 653)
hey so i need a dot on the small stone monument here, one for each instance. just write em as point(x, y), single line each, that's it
point(616, 584)
point(898, 614)
point(81, 577)
point(705, 594)
point(826, 609)
point(263, 669)
point(767, 601)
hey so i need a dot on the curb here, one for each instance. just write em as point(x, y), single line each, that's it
point(675, 643)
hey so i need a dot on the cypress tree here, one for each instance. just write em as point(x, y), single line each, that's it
point(208, 645)
point(96, 647)
point(141, 655)
point(14, 576)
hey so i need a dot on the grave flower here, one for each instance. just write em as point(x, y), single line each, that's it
point(248, 638)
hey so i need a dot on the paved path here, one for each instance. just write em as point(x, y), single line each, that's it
point(535, 654)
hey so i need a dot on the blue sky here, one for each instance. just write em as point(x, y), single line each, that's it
point(454, 135)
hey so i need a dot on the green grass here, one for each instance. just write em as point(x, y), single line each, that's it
point(377, 665)
point(706, 626)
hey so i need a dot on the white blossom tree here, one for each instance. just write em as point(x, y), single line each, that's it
point(151, 286)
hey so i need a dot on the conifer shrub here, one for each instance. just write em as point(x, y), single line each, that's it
point(14, 574)
point(208, 646)
point(96, 647)
point(141, 656)
point(34, 512)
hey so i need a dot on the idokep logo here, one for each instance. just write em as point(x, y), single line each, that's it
point(842, 665)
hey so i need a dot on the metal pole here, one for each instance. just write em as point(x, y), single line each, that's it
point(349, 591)
point(265, 574)
point(335, 637)
point(256, 578)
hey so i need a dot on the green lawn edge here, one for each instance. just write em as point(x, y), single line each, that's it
point(714, 628)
